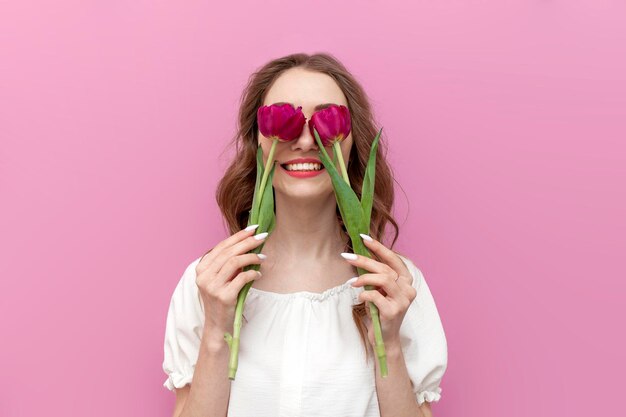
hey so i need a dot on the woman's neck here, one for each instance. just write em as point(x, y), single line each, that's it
point(306, 229)
point(303, 249)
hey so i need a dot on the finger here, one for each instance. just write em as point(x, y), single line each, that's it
point(234, 265)
point(407, 289)
point(239, 248)
point(366, 263)
point(208, 257)
point(233, 288)
point(386, 256)
point(384, 305)
point(383, 281)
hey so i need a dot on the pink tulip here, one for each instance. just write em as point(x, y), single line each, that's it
point(333, 124)
point(280, 121)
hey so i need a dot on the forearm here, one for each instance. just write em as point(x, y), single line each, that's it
point(210, 388)
point(395, 392)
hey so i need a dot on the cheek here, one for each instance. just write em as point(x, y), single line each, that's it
point(266, 145)
point(346, 148)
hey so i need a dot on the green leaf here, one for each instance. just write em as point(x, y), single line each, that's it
point(367, 191)
point(266, 217)
point(254, 211)
point(347, 200)
point(273, 220)
point(266, 209)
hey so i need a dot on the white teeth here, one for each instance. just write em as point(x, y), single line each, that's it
point(304, 167)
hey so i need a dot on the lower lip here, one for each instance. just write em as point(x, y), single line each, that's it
point(302, 174)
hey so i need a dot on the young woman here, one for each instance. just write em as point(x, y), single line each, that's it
point(307, 337)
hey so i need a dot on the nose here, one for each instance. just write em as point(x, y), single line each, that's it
point(306, 141)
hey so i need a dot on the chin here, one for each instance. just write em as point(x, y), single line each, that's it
point(310, 191)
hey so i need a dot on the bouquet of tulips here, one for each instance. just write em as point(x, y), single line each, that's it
point(329, 126)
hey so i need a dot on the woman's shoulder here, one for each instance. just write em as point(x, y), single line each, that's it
point(186, 295)
point(188, 278)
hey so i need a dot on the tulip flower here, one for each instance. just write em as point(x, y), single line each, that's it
point(331, 126)
point(278, 123)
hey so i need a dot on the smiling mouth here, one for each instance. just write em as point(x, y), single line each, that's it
point(303, 170)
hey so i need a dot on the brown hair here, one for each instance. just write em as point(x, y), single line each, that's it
point(235, 190)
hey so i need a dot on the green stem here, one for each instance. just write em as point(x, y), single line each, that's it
point(379, 347)
point(266, 171)
point(342, 165)
point(233, 342)
point(378, 336)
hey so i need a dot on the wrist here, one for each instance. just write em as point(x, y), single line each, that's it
point(393, 348)
point(213, 340)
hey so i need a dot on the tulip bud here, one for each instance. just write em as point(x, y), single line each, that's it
point(333, 124)
point(280, 121)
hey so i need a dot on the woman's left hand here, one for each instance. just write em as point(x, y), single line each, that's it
point(393, 294)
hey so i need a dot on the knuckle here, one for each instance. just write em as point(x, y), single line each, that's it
point(207, 288)
point(223, 298)
point(200, 268)
point(201, 279)
point(233, 262)
point(230, 252)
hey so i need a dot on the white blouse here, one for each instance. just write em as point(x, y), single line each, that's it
point(301, 354)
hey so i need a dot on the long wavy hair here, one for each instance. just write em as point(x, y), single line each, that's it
point(235, 190)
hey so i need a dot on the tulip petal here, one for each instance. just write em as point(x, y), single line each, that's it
point(293, 126)
point(332, 123)
point(281, 121)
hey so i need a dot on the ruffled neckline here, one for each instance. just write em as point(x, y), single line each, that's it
point(316, 296)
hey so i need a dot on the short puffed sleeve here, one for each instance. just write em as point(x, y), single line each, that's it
point(423, 340)
point(183, 330)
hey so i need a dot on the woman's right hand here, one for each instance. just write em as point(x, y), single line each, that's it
point(219, 278)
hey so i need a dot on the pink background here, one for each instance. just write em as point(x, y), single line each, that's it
point(506, 121)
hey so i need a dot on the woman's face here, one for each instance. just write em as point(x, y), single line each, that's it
point(308, 89)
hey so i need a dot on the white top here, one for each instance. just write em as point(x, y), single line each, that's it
point(301, 354)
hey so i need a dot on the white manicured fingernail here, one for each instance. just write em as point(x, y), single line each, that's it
point(251, 227)
point(260, 255)
point(366, 237)
point(351, 256)
point(351, 280)
point(261, 236)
